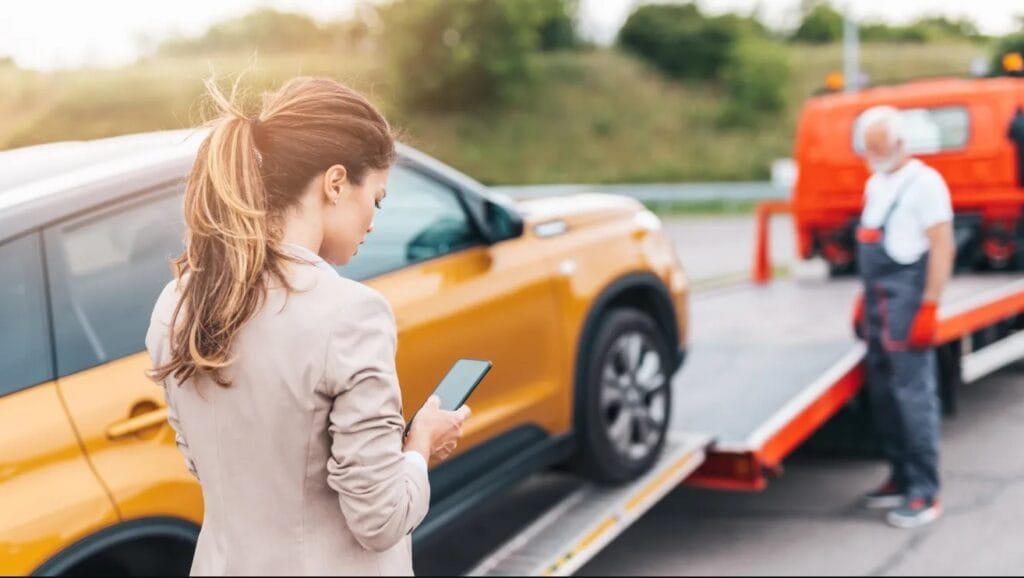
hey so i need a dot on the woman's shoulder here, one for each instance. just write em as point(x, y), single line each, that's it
point(166, 301)
point(358, 299)
point(160, 319)
point(346, 299)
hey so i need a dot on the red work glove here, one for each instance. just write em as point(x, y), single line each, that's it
point(858, 316)
point(925, 325)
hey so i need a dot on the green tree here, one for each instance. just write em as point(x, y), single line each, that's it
point(821, 23)
point(558, 26)
point(450, 54)
point(681, 41)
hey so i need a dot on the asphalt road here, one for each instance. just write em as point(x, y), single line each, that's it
point(807, 521)
point(722, 248)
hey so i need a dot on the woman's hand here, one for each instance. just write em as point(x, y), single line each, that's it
point(435, 433)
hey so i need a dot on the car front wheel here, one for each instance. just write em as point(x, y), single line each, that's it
point(625, 398)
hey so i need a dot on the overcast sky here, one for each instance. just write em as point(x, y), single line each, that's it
point(47, 34)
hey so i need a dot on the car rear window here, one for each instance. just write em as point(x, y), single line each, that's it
point(25, 358)
point(106, 271)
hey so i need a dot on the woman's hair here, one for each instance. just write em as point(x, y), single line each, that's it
point(248, 173)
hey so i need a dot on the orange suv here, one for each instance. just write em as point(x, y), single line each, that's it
point(579, 301)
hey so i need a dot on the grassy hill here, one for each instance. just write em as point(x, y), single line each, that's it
point(592, 116)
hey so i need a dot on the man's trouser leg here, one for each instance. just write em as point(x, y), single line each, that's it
point(915, 392)
point(885, 410)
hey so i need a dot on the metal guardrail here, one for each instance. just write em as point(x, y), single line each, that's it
point(666, 192)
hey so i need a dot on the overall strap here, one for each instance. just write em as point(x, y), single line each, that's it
point(899, 197)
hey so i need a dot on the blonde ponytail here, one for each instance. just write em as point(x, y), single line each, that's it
point(248, 172)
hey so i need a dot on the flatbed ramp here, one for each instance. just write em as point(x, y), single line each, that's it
point(581, 524)
point(767, 366)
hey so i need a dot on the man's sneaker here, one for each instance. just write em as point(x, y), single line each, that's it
point(887, 497)
point(917, 512)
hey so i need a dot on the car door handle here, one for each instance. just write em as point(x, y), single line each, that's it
point(138, 423)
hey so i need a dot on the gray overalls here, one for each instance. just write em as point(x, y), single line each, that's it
point(901, 381)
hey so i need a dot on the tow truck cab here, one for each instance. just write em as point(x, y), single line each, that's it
point(959, 126)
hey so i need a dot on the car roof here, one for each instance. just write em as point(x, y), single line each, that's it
point(34, 163)
point(45, 183)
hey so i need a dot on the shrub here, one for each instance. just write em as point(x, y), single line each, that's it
point(756, 81)
point(821, 24)
point(558, 25)
point(881, 32)
point(942, 27)
point(925, 29)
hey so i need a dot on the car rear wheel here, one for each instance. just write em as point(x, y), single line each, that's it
point(625, 398)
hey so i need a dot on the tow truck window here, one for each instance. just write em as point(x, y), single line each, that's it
point(928, 130)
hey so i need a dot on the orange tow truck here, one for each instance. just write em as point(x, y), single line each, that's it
point(969, 129)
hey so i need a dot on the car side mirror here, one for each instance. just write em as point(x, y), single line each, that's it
point(503, 221)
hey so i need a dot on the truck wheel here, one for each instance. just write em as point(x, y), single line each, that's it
point(624, 398)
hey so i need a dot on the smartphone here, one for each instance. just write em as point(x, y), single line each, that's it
point(460, 382)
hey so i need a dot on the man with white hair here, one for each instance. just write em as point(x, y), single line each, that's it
point(905, 257)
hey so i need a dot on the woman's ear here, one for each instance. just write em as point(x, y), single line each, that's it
point(335, 183)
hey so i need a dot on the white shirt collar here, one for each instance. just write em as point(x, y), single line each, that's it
point(309, 256)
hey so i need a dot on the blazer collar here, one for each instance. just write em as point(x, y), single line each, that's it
point(308, 256)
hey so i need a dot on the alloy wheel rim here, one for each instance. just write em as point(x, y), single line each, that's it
point(633, 395)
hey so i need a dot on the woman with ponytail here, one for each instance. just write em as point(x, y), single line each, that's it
point(279, 374)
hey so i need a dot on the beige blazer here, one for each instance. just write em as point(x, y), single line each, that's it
point(300, 461)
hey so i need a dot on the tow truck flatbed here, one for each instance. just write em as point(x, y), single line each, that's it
point(771, 363)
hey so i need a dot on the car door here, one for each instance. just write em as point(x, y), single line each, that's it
point(456, 296)
point(106, 269)
point(49, 495)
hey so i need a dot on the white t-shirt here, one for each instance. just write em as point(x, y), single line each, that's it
point(925, 203)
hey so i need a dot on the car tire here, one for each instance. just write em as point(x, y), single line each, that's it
point(624, 398)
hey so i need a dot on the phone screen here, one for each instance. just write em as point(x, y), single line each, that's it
point(461, 380)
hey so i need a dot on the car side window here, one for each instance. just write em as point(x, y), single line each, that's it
point(106, 271)
point(421, 218)
point(24, 331)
